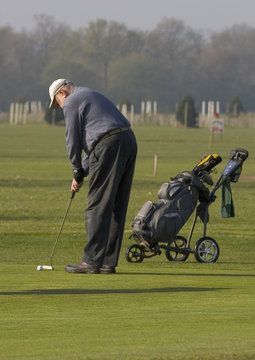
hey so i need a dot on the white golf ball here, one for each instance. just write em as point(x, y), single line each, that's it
point(39, 267)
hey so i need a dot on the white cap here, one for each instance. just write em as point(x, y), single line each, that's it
point(54, 88)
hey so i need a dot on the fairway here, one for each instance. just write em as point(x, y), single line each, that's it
point(153, 310)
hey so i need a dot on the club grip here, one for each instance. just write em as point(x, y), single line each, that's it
point(73, 193)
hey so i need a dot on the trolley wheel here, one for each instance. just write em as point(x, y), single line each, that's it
point(135, 253)
point(207, 250)
point(179, 242)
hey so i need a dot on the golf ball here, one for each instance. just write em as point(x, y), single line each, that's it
point(39, 267)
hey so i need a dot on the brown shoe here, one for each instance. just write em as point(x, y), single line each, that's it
point(107, 269)
point(82, 268)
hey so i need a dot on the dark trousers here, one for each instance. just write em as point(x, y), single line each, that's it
point(111, 172)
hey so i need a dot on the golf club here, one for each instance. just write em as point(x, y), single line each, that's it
point(50, 267)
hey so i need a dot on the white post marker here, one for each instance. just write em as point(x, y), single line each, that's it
point(132, 114)
point(12, 113)
point(148, 107)
point(212, 108)
point(20, 116)
point(155, 107)
point(143, 107)
point(39, 106)
point(218, 107)
point(16, 116)
point(124, 110)
point(25, 113)
point(155, 164)
point(186, 114)
point(203, 108)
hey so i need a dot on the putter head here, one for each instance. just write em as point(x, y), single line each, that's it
point(48, 267)
point(45, 267)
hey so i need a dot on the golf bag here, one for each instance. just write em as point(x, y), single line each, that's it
point(160, 221)
point(156, 227)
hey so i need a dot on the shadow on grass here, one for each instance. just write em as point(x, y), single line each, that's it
point(109, 291)
point(188, 274)
point(21, 217)
point(32, 183)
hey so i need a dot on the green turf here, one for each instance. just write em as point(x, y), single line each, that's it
point(153, 310)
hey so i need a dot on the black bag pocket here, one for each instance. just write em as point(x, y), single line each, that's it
point(167, 226)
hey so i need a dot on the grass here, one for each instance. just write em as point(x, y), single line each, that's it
point(153, 310)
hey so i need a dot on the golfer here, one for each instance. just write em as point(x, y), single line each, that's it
point(94, 125)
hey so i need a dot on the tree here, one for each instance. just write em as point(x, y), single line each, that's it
point(160, 65)
point(186, 113)
point(54, 116)
point(7, 66)
point(132, 76)
point(235, 107)
point(48, 36)
point(103, 44)
point(17, 61)
point(225, 66)
point(174, 41)
point(175, 49)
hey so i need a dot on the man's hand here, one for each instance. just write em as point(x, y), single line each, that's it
point(76, 186)
point(78, 176)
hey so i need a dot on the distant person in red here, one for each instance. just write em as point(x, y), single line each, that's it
point(216, 115)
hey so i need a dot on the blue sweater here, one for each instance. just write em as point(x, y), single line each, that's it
point(88, 115)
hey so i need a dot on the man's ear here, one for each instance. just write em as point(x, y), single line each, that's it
point(63, 93)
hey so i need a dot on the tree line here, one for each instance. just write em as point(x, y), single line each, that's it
point(163, 64)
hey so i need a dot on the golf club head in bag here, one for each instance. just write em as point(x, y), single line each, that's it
point(205, 166)
point(233, 168)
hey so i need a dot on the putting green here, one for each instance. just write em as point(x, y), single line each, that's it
point(153, 310)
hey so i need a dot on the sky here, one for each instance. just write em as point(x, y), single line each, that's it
point(211, 15)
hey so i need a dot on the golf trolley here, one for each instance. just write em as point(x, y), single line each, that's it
point(178, 248)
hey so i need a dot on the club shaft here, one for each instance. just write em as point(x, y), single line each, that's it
point(61, 227)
